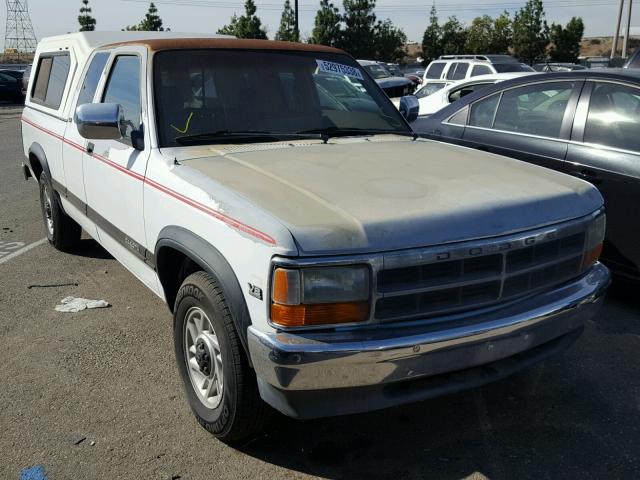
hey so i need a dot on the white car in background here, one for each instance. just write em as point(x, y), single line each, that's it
point(437, 95)
point(459, 67)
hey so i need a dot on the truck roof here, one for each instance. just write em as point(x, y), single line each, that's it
point(89, 41)
point(158, 44)
point(86, 42)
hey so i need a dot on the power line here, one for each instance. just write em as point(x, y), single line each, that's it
point(396, 8)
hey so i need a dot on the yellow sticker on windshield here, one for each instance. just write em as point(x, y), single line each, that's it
point(186, 127)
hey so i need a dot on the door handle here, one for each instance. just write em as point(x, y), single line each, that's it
point(588, 175)
point(90, 147)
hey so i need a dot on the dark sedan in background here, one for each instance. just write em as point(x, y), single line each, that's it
point(11, 86)
point(585, 123)
point(394, 87)
point(395, 69)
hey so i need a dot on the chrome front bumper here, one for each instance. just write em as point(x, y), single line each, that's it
point(294, 368)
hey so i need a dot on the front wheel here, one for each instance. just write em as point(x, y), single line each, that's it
point(220, 385)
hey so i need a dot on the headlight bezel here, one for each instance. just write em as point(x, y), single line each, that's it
point(367, 264)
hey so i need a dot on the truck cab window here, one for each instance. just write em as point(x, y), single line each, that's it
point(51, 79)
point(92, 78)
point(124, 88)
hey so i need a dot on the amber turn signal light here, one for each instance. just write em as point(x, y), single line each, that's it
point(319, 314)
point(592, 256)
point(286, 287)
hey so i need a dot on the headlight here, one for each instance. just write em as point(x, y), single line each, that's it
point(595, 237)
point(320, 296)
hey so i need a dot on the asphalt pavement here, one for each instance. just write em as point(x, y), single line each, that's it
point(96, 394)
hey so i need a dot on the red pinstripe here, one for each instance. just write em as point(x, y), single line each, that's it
point(232, 222)
point(53, 134)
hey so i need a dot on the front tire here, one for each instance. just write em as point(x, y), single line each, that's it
point(221, 386)
point(62, 231)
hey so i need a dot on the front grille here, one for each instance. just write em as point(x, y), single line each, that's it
point(448, 283)
point(425, 284)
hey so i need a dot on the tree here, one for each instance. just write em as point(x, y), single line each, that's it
point(502, 37)
point(359, 35)
point(231, 27)
point(150, 23)
point(326, 29)
point(432, 39)
point(454, 37)
point(566, 41)
point(248, 25)
point(490, 35)
point(287, 30)
point(480, 35)
point(530, 32)
point(86, 21)
point(389, 42)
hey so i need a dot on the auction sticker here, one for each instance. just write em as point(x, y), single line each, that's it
point(331, 67)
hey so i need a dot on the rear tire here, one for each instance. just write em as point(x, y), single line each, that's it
point(62, 231)
point(221, 386)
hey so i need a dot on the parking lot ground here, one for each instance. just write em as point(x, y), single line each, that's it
point(96, 394)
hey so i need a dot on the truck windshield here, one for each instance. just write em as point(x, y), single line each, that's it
point(257, 95)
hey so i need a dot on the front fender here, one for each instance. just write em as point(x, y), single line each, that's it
point(213, 262)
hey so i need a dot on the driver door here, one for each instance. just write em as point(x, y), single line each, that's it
point(114, 170)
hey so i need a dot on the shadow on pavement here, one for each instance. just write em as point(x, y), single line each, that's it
point(624, 290)
point(623, 308)
point(89, 248)
point(547, 422)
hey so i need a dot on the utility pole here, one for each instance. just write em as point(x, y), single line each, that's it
point(627, 32)
point(616, 35)
point(297, 27)
point(19, 39)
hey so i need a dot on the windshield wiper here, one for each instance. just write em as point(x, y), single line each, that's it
point(330, 132)
point(251, 136)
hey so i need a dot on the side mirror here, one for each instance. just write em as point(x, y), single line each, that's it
point(409, 107)
point(100, 121)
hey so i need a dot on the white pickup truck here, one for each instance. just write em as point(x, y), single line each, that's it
point(317, 257)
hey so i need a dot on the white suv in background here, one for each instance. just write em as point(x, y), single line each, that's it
point(453, 68)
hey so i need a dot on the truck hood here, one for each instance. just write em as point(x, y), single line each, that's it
point(389, 192)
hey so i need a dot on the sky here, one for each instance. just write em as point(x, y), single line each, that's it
point(206, 16)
